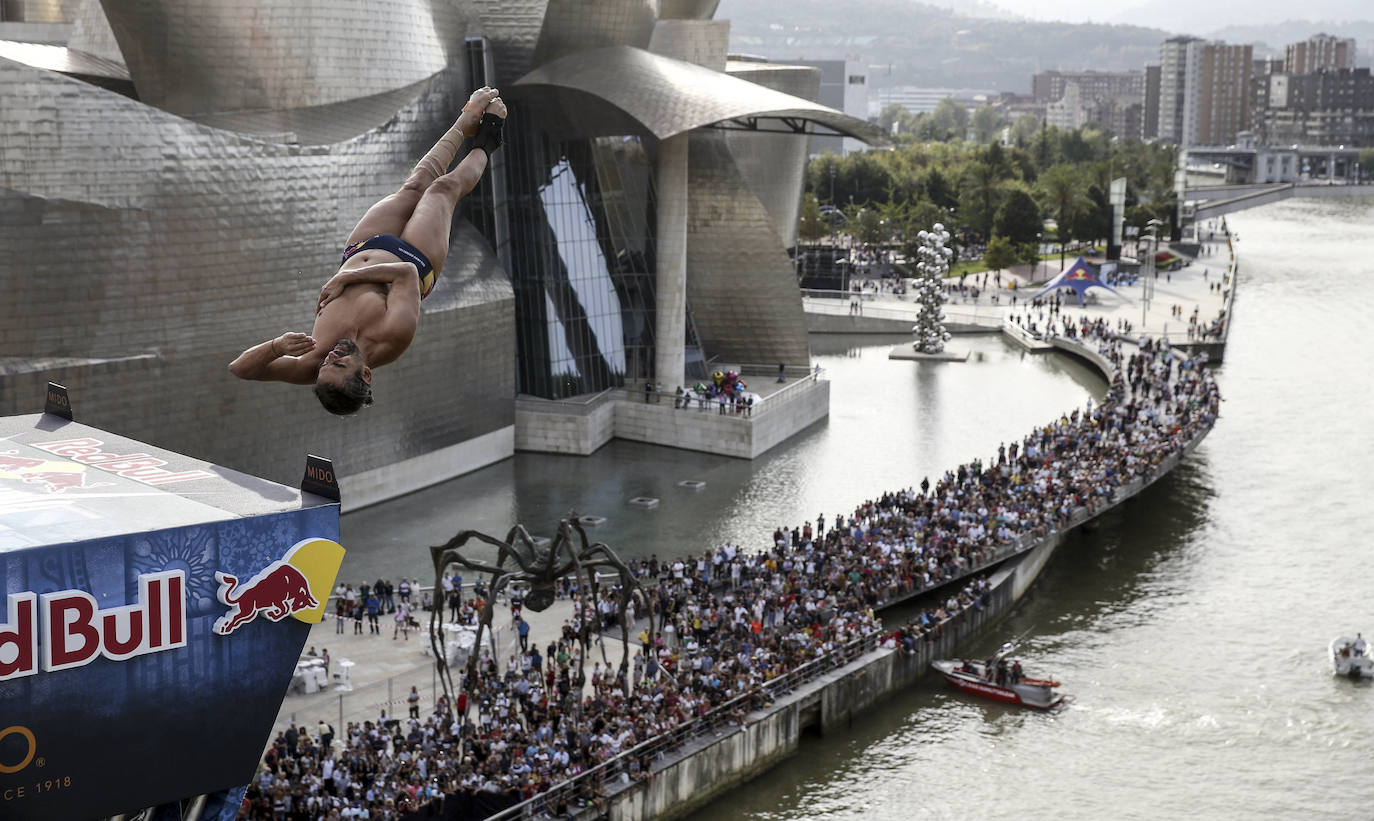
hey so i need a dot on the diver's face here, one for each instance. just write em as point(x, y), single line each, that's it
point(341, 363)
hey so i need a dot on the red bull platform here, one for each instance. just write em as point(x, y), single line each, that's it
point(155, 608)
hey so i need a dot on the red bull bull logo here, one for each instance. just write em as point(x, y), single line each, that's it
point(284, 588)
point(65, 629)
point(276, 592)
point(53, 477)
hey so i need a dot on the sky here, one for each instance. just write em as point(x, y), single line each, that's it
point(1204, 16)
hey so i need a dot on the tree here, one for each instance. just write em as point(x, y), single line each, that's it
point(982, 192)
point(986, 120)
point(1019, 218)
point(1366, 163)
point(1024, 129)
point(938, 190)
point(868, 226)
point(813, 225)
point(1029, 254)
point(950, 118)
point(1064, 195)
point(897, 119)
point(1000, 254)
point(1094, 220)
point(933, 264)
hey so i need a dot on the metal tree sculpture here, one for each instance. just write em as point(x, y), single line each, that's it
point(933, 264)
point(540, 567)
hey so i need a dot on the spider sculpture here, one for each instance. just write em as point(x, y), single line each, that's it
point(539, 566)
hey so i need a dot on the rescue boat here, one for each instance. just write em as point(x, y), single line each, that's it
point(994, 678)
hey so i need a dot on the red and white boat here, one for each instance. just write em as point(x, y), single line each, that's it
point(1000, 679)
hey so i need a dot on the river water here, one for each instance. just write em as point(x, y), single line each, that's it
point(1191, 625)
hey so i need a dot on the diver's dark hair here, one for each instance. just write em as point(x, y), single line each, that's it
point(346, 400)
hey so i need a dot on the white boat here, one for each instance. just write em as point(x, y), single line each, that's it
point(995, 679)
point(1351, 657)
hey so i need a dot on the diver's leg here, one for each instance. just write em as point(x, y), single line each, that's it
point(389, 215)
point(428, 227)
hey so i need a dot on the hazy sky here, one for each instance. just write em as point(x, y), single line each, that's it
point(1206, 14)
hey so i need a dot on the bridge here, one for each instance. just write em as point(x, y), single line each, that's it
point(1206, 202)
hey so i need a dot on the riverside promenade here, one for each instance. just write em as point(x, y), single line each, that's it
point(678, 768)
point(1190, 289)
point(731, 742)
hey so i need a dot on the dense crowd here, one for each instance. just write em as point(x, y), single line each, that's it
point(731, 620)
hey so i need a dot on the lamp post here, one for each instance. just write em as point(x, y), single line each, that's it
point(1147, 290)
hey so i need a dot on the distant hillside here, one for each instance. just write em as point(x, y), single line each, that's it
point(1276, 36)
point(907, 43)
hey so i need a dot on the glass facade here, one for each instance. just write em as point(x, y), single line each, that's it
point(581, 256)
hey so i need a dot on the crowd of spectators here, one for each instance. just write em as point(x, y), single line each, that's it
point(731, 623)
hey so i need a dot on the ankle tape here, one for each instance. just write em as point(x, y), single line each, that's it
point(488, 137)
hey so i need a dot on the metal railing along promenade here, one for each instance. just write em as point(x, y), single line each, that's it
point(887, 305)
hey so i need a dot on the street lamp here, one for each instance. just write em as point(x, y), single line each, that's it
point(1147, 290)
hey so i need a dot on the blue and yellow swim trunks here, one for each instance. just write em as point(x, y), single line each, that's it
point(407, 252)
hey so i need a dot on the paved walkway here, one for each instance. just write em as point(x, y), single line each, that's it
point(382, 669)
point(1187, 288)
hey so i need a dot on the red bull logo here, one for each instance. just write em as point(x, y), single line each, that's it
point(277, 592)
point(141, 467)
point(52, 477)
point(284, 588)
point(65, 629)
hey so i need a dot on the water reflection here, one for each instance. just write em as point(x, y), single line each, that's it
point(891, 422)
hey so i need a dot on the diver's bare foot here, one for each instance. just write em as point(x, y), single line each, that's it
point(473, 108)
point(497, 106)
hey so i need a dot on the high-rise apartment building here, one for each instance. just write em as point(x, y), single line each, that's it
point(1331, 107)
point(1318, 52)
point(1204, 92)
point(1149, 125)
point(1173, 71)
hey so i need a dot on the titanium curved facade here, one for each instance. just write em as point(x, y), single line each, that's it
point(144, 251)
point(152, 235)
point(196, 56)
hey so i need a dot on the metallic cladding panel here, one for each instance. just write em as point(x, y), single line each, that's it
point(774, 165)
point(91, 32)
point(196, 56)
point(741, 288)
point(44, 11)
point(671, 96)
point(574, 26)
point(687, 9)
point(151, 250)
point(512, 27)
point(700, 42)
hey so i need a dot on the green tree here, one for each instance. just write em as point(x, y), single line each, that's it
point(1063, 192)
point(938, 190)
point(1094, 219)
point(1029, 254)
point(896, 119)
point(1018, 219)
point(986, 122)
point(980, 196)
point(1024, 129)
point(868, 226)
point(813, 225)
point(1366, 161)
point(1000, 254)
point(950, 118)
